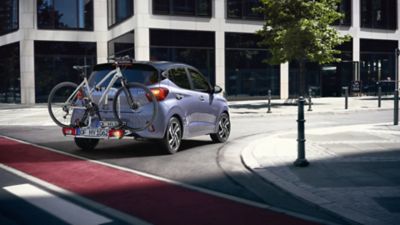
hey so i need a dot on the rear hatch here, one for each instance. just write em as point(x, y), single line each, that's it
point(136, 72)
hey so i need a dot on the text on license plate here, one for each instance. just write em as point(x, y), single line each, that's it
point(94, 132)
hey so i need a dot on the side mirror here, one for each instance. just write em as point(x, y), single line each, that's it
point(217, 89)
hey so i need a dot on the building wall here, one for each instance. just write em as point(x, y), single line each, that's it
point(142, 21)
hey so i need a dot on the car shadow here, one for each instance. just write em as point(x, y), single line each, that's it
point(133, 148)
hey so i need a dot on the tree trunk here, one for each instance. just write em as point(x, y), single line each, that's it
point(302, 80)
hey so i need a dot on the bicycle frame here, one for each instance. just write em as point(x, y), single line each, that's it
point(116, 74)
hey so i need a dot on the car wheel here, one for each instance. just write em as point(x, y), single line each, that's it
point(86, 143)
point(173, 136)
point(224, 129)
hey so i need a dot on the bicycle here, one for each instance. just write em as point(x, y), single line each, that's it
point(130, 99)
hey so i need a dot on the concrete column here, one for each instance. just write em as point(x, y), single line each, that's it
point(27, 21)
point(142, 31)
point(219, 13)
point(220, 59)
point(100, 29)
point(284, 81)
point(27, 68)
point(356, 17)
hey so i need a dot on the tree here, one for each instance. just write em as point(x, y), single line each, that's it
point(301, 30)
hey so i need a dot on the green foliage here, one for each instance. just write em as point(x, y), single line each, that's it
point(301, 30)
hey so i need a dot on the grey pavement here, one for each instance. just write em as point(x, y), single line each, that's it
point(354, 171)
point(37, 115)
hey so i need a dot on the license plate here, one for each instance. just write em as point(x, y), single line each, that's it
point(94, 132)
point(109, 123)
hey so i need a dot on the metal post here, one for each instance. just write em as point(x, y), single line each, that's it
point(346, 97)
point(301, 160)
point(309, 99)
point(396, 89)
point(269, 101)
point(379, 96)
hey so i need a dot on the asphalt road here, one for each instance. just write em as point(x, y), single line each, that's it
point(198, 162)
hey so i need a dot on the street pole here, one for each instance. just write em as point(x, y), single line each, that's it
point(346, 97)
point(269, 101)
point(309, 100)
point(379, 96)
point(396, 89)
point(301, 160)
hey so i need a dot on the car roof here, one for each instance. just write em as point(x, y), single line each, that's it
point(159, 65)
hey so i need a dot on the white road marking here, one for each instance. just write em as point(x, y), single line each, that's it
point(60, 208)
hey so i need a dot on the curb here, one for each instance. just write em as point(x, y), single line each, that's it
point(297, 188)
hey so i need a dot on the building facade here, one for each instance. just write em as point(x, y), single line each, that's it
point(40, 41)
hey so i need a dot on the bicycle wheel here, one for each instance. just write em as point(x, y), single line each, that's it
point(61, 102)
point(139, 115)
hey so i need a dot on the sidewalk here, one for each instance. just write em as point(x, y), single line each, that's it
point(37, 115)
point(354, 171)
point(319, 105)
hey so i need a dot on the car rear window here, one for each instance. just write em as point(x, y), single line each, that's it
point(143, 74)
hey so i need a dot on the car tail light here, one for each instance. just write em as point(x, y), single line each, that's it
point(68, 131)
point(160, 93)
point(79, 94)
point(117, 133)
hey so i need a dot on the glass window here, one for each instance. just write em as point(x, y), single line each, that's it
point(122, 45)
point(324, 80)
point(183, 7)
point(179, 77)
point(10, 74)
point(54, 61)
point(196, 48)
point(246, 75)
point(199, 82)
point(8, 16)
point(380, 14)
point(65, 14)
point(138, 73)
point(345, 8)
point(244, 9)
point(377, 64)
point(201, 8)
point(119, 10)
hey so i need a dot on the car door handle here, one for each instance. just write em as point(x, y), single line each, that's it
point(178, 96)
point(201, 98)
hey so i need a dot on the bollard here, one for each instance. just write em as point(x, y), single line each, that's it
point(269, 101)
point(396, 108)
point(301, 160)
point(309, 100)
point(346, 97)
point(396, 89)
point(379, 96)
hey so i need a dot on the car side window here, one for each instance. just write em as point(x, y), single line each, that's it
point(179, 77)
point(199, 82)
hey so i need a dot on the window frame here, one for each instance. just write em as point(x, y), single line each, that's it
point(66, 28)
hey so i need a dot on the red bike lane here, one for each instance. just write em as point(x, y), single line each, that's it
point(149, 199)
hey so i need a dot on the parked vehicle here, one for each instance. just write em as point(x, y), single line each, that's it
point(186, 106)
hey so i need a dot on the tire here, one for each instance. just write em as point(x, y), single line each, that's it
point(60, 112)
point(86, 143)
point(173, 136)
point(145, 103)
point(224, 129)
